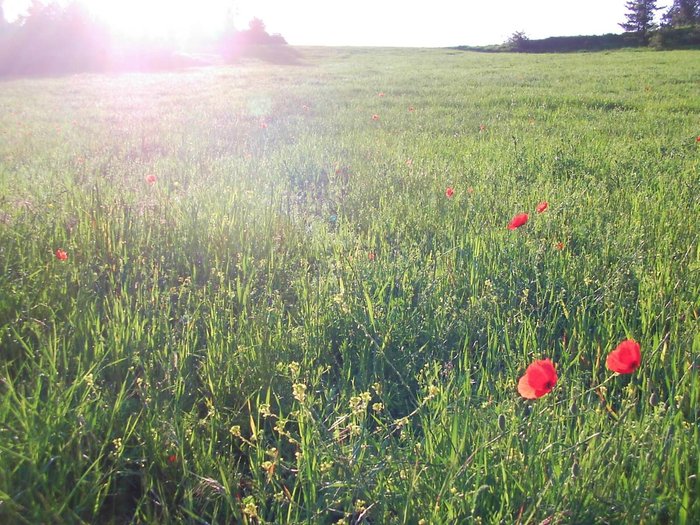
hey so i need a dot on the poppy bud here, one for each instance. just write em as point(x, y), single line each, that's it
point(653, 399)
point(575, 469)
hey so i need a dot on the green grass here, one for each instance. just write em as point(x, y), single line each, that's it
point(221, 347)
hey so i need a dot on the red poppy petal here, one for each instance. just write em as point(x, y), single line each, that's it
point(626, 358)
point(518, 221)
point(525, 390)
point(544, 366)
point(539, 379)
point(629, 347)
point(536, 377)
point(542, 376)
point(613, 363)
point(630, 357)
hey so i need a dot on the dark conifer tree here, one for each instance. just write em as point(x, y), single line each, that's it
point(640, 17)
point(682, 13)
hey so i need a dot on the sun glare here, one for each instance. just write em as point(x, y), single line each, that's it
point(162, 18)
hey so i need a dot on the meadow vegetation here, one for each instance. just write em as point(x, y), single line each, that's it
point(267, 307)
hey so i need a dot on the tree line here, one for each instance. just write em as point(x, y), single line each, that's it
point(54, 38)
point(678, 27)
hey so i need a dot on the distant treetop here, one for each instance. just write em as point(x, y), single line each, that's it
point(682, 13)
point(640, 17)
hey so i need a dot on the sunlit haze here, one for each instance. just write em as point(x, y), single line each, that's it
point(360, 22)
point(161, 17)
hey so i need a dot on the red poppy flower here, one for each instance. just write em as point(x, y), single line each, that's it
point(626, 358)
point(305, 107)
point(518, 221)
point(61, 255)
point(375, 117)
point(371, 256)
point(411, 108)
point(482, 127)
point(470, 190)
point(172, 458)
point(449, 192)
point(559, 246)
point(539, 379)
point(263, 124)
point(380, 94)
point(151, 179)
point(697, 139)
point(542, 206)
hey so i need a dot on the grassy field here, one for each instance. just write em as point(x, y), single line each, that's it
point(266, 309)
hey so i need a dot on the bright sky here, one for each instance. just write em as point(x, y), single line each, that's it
point(434, 23)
